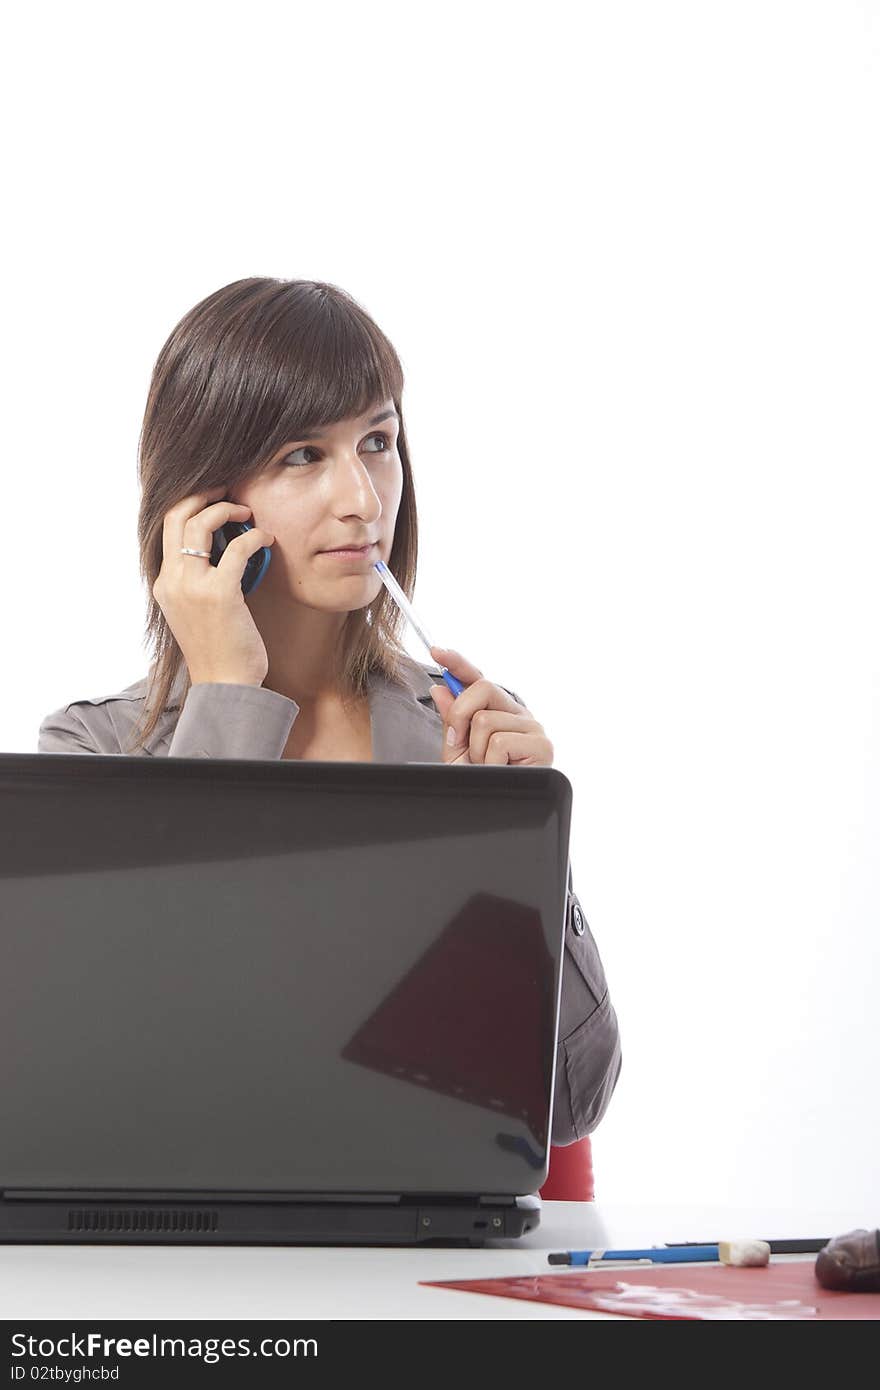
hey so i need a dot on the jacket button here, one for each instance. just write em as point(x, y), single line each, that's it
point(577, 921)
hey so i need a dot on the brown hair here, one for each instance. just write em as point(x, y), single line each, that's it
point(257, 363)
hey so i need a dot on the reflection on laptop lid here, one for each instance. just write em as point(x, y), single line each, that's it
point(282, 1002)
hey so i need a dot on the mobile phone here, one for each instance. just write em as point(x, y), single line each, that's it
point(257, 563)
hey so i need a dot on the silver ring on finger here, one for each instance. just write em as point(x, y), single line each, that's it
point(188, 550)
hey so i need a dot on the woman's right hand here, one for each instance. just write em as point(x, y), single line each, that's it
point(203, 603)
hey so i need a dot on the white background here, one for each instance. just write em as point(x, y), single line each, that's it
point(628, 255)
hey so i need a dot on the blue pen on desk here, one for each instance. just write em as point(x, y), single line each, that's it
point(408, 611)
point(656, 1254)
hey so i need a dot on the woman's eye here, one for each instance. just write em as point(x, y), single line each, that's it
point(307, 449)
point(289, 459)
point(385, 440)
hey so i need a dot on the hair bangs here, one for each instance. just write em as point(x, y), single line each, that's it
point(323, 361)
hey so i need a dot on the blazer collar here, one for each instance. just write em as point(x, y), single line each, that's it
point(406, 724)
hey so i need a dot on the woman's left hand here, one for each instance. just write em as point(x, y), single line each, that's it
point(489, 726)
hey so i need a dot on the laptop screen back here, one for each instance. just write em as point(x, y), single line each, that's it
point(254, 976)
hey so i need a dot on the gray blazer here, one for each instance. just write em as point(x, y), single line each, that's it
point(245, 721)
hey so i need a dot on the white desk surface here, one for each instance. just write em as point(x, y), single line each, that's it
point(300, 1282)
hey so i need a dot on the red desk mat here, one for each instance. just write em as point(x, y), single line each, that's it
point(783, 1289)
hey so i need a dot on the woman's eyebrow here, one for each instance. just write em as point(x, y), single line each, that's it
point(384, 415)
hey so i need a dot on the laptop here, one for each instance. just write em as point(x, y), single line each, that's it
point(277, 1002)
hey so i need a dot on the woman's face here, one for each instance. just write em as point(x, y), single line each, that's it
point(341, 486)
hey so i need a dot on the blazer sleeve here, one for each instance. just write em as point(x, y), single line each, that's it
point(218, 720)
point(588, 1057)
point(63, 732)
point(232, 721)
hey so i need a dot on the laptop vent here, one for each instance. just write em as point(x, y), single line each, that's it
point(141, 1219)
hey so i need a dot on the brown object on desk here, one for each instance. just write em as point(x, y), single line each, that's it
point(851, 1262)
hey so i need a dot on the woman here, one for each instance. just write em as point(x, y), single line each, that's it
point(279, 403)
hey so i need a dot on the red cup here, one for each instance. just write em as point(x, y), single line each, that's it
point(570, 1176)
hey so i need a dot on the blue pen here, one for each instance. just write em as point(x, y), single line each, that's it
point(408, 611)
point(657, 1254)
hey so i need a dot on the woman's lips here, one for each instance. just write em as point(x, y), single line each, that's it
point(361, 554)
